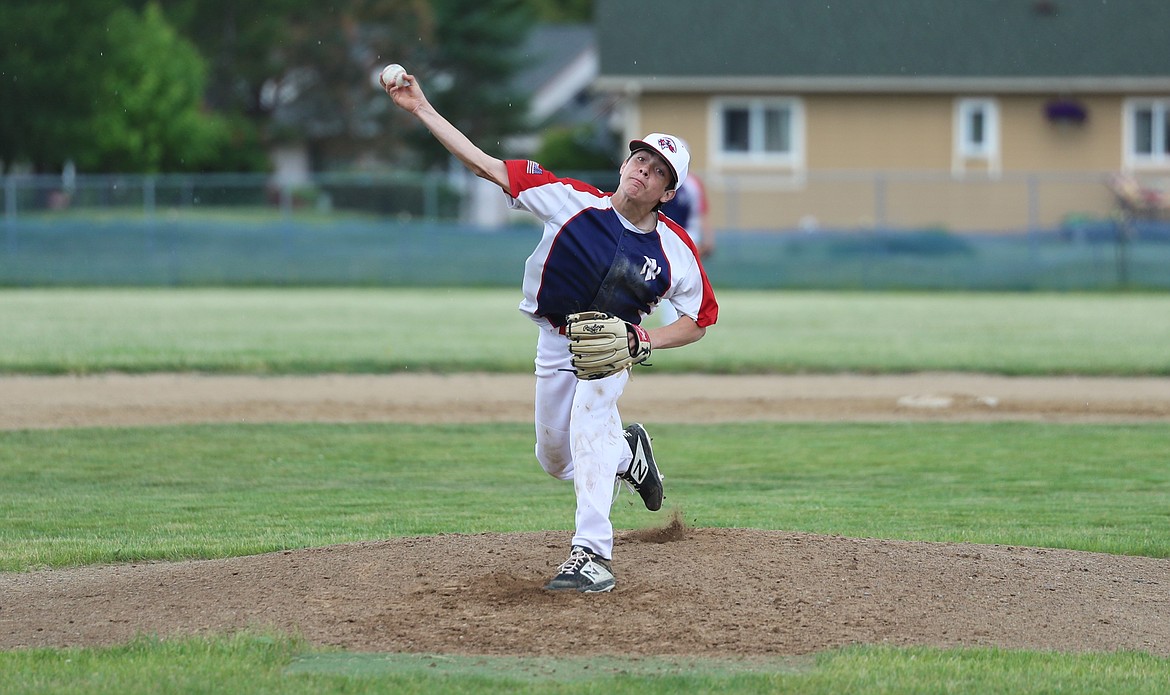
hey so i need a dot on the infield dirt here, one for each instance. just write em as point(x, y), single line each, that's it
point(681, 591)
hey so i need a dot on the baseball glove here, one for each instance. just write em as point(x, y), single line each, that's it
point(603, 345)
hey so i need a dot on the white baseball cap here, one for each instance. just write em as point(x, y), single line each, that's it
point(673, 149)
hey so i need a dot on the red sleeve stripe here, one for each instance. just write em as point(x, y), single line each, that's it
point(524, 174)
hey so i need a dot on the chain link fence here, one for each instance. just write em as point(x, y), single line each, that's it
point(420, 230)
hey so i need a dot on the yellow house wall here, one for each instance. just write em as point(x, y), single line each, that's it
point(889, 161)
point(883, 133)
point(1030, 142)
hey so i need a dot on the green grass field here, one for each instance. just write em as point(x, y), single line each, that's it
point(378, 330)
point(96, 495)
point(266, 664)
point(100, 495)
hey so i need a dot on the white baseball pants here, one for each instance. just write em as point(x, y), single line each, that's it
point(579, 437)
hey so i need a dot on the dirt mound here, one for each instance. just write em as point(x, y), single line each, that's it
point(715, 592)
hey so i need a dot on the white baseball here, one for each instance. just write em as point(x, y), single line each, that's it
point(393, 74)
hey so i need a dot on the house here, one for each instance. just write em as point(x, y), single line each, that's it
point(971, 115)
point(561, 65)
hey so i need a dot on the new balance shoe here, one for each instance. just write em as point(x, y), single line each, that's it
point(643, 474)
point(584, 571)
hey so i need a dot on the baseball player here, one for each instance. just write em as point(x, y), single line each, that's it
point(604, 261)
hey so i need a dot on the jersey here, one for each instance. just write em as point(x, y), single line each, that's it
point(591, 258)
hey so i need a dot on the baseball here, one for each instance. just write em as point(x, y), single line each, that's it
point(393, 74)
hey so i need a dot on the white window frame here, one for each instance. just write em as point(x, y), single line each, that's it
point(965, 145)
point(1159, 158)
point(756, 155)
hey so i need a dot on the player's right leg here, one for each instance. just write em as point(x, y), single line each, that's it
point(554, 404)
point(598, 447)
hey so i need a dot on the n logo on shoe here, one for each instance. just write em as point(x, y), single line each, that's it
point(638, 466)
point(594, 572)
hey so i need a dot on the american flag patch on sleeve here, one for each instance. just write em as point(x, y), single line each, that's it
point(534, 168)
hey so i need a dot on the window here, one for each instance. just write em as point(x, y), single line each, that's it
point(759, 130)
point(1148, 131)
point(977, 128)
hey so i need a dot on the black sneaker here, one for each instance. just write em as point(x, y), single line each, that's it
point(584, 571)
point(643, 475)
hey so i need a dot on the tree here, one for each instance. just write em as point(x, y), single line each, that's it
point(149, 114)
point(563, 10)
point(51, 56)
point(240, 43)
point(275, 69)
point(575, 148)
point(327, 96)
point(469, 62)
point(108, 87)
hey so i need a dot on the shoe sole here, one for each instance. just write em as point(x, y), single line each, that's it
point(602, 588)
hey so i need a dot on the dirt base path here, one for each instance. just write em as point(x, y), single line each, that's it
point(709, 592)
point(36, 402)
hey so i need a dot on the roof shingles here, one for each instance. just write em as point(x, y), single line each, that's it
point(884, 38)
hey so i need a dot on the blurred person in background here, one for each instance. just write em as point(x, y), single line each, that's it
point(688, 207)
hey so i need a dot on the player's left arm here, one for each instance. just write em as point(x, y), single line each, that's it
point(684, 331)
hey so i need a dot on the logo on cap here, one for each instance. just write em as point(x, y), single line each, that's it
point(667, 144)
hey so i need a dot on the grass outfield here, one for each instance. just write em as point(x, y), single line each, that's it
point(386, 330)
point(99, 495)
point(266, 664)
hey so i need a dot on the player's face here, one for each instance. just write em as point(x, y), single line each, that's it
point(646, 176)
